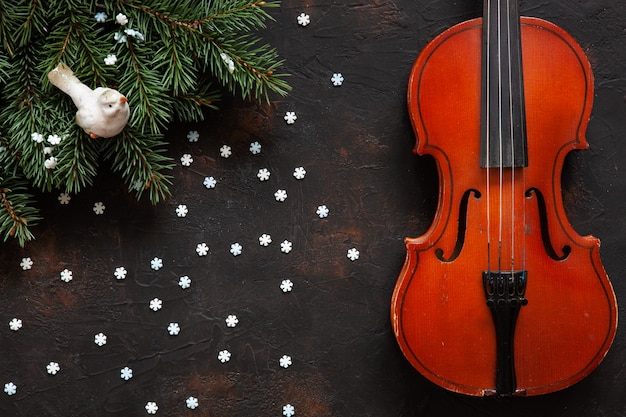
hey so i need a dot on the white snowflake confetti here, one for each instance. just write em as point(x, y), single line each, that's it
point(156, 304)
point(223, 356)
point(100, 339)
point(337, 79)
point(120, 272)
point(186, 160)
point(134, 33)
point(48, 150)
point(173, 329)
point(290, 117)
point(192, 403)
point(101, 17)
point(322, 211)
point(51, 163)
point(285, 361)
point(210, 182)
point(126, 373)
point(121, 19)
point(119, 37)
point(110, 59)
point(255, 148)
point(193, 136)
point(286, 285)
point(66, 275)
point(280, 195)
point(265, 239)
point(99, 207)
point(64, 198)
point(286, 246)
point(10, 388)
point(15, 324)
point(288, 410)
point(236, 249)
point(37, 137)
point(263, 174)
point(26, 263)
point(53, 368)
point(181, 210)
point(225, 151)
point(184, 282)
point(156, 263)
point(231, 320)
point(202, 249)
point(299, 173)
point(353, 254)
point(54, 139)
point(303, 19)
point(228, 61)
point(152, 407)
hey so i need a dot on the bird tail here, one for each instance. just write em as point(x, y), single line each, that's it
point(62, 77)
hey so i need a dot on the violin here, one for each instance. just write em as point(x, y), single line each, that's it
point(501, 296)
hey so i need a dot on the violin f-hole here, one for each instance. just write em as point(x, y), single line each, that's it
point(460, 237)
point(543, 222)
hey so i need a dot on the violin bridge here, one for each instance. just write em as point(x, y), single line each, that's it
point(505, 297)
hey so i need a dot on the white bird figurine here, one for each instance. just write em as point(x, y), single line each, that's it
point(102, 112)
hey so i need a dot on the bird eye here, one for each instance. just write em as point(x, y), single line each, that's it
point(110, 105)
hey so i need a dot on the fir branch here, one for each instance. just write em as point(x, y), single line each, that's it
point(17, 212)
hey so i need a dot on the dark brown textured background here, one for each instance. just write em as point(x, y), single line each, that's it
point(355, 142)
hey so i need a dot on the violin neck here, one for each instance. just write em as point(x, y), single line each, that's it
point(503, 111)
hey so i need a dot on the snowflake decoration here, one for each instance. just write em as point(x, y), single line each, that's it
point(263, 174)
point(286, 285)
point(288, 410)
point(225, 151)
point(192, 403)
point(156, 263)
point(223, 356)
point(235, 249)
point(193, 136)
point(181, 210)
point(228, 61)
point(285, 361)
point(121, 19)
point(280, 195)
point(231, 320)
point(290, 117)
point(101, 17)
point(10, 388)
point(265, 239)
point(337, 79)
point(53, 368)
point(184, 282)
point(120, 272)
point(100, 339)
point(303, 19)
point(322, 211)
point(173, 329)
point(186, 160)
point(134, 33)
point(353, 254)
point(210, 182)
point(156, 304)
point(50, 163)
point(99, 207)
point(15, 324)
point(110, 59)
point(202, 249)
point(26, 263)
point(299, 173)
point(54, 139)
point(66, 275)
point(119, 37)
point(286, 246)
point(152, 407)
point(64, 198)
point(255, 148)
point(37, 137)
point(126, 373)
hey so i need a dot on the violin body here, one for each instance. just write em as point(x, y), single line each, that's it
point(559, 312)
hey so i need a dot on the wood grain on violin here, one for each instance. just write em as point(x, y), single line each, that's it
point(501, 296)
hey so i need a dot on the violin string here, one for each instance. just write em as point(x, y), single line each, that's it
point(487, 122)
point(500, 134)
point(512, 133)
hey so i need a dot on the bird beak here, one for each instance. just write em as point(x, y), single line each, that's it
point(123, 99)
